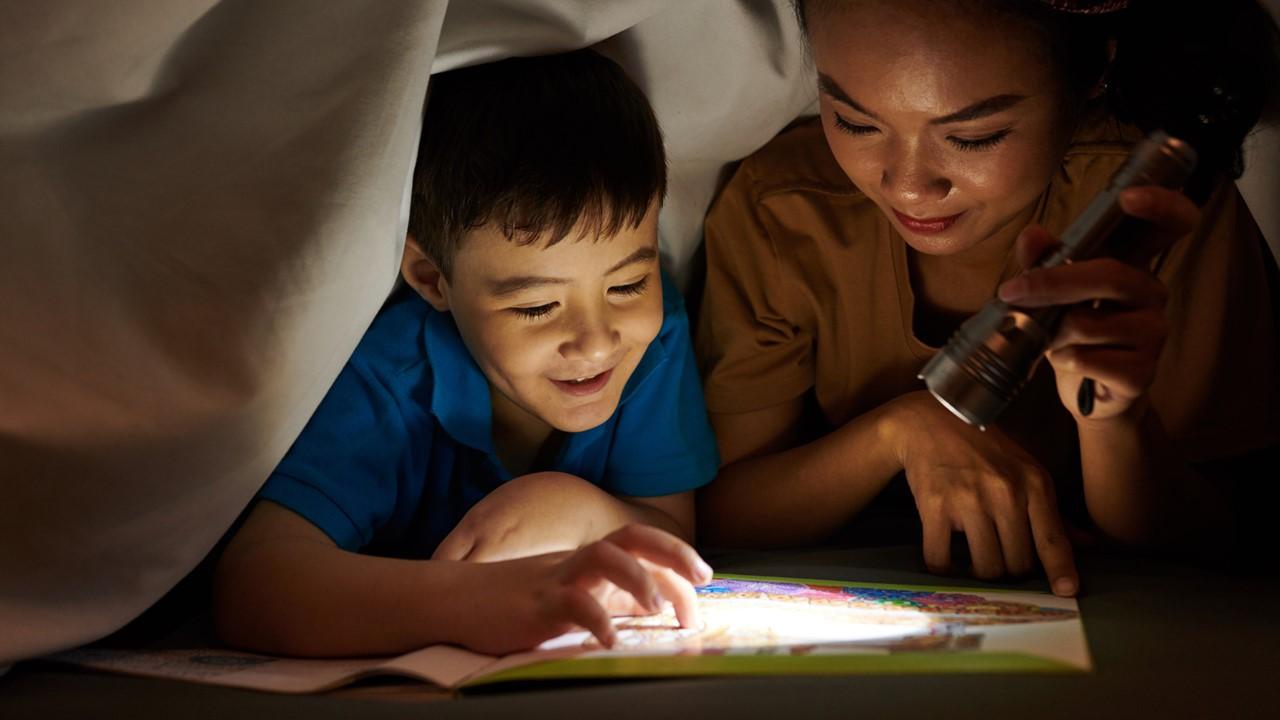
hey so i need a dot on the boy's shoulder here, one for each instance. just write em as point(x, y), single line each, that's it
point(796, 160)
point(394, 345)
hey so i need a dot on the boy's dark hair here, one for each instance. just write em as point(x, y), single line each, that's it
point(534, 146)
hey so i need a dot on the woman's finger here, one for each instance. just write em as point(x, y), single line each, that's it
point(1123, 328)
point(936, 539)
point(1169, 211)
point(1116, 371)
point(1032, 244)
point(1050, 536)
point(984, 547)
point(1099, 279)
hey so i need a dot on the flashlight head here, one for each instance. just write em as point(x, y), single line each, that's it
point(987, 362)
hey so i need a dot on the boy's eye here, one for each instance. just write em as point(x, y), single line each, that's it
point(981, 143)
point(852, 128)
point(634, 288)
point(533, 313)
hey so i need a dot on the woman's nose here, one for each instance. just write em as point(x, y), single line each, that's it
point(910, 177)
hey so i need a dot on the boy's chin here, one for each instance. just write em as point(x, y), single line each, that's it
point(581, 418)
point(579, 422)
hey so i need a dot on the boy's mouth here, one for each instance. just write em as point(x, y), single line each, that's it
point(583, 386)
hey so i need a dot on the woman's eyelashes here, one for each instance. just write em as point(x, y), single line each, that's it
point(985, 142)
point(982, 143)
point(539, 311)
point(852, 128)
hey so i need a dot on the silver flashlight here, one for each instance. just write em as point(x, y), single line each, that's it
point(993, 354)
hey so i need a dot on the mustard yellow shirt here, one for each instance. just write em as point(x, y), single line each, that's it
point(808, 291)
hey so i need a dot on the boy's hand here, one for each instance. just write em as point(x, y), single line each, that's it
point(521, 603)
point(1119, 344)
point(984, 485)
point(531, 515)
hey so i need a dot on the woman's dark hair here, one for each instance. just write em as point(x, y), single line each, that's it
point(535, 146)
point(1204, 72)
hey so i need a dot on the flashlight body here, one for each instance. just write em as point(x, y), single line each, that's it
point(991, 357)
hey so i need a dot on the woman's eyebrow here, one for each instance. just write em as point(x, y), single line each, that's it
point(981, 109)
point(837, 93)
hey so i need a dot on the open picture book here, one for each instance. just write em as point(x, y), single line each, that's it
point(751, 626)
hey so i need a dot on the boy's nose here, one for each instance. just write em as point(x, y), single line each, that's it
point(593, 338)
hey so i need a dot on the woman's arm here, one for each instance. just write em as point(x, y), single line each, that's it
point(769, 493)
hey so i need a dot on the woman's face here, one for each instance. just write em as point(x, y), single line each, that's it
point(949, 119)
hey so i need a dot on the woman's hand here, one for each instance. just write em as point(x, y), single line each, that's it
point(633, 571)
point(1118, 345)
point(984, 485)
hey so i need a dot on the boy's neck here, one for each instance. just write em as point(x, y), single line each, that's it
point(522, 441)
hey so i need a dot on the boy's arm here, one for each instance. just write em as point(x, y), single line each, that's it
point(283, 587)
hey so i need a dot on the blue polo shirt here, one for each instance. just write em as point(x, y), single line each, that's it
point(402, 445)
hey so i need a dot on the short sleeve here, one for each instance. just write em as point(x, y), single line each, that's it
point(343, 473)
point(663, 442)
point(1217, 389)
point(752, 352)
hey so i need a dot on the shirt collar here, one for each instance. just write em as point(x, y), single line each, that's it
point(459, 391)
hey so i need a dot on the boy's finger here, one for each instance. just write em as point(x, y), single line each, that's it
point(1052, 544)
point(662, 549)
point(455, 546)
point(581, 609)
point(683, 598)
point(1099, 279)
point(1033, 242)
point(603, 560)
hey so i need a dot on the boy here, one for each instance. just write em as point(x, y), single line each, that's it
point(532, 392)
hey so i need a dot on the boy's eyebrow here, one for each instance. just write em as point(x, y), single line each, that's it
point(980, 109)
point(512, 285)
point(644, 254)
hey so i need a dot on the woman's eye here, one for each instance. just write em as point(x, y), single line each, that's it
point(533, 313)
point(982, 143)
point(852, 128)
point(634, 288)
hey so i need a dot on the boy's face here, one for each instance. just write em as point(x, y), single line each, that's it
point(557, 330)
point(949, 120)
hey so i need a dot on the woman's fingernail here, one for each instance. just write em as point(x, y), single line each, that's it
point(704, 571)
point(1135, 199)
point(1013, 290)
point(1065, 587)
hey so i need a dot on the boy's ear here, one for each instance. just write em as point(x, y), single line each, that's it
point(424, 276)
